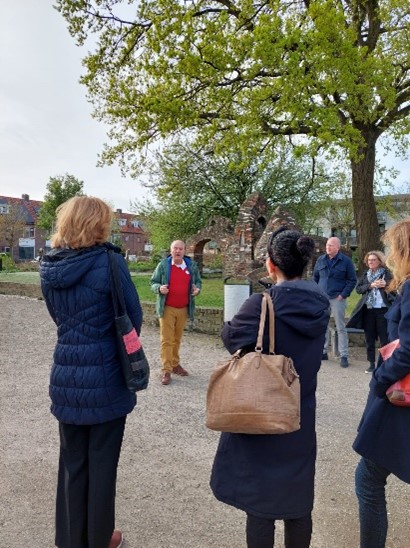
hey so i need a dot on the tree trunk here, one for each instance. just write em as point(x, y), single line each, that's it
point(364, 205)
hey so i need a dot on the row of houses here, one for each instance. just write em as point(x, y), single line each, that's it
point(20, 236)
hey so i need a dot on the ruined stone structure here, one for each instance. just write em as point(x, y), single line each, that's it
point(244, 245)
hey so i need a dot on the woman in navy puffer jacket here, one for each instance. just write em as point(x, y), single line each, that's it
point(88, 393)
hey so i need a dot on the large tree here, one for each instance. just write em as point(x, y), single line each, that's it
point(59, 189)
point(190, 187)
point(244, 76)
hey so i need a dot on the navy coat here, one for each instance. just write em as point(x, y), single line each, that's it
point(86, 382)
point(272, 476)
point(384, 431)
point(338, 280)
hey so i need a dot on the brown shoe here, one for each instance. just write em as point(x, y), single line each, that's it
point(166, 377)
point(116, 539)
point(178, 370)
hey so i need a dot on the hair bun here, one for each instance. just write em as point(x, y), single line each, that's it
point(305, 246)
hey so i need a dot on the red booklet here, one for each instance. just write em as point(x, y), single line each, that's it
point(399, 392)
point(387, 350)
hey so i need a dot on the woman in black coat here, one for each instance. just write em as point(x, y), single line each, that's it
point(271, 477)
point(370, 310)
point(383, 438)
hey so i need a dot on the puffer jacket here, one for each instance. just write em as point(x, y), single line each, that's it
point(86, 382)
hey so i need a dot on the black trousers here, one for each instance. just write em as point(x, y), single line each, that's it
point(260, 532)
point(375, 327)
point(87, 475)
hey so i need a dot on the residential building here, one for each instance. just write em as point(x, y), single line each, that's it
point(19, 231)
point(133, 239)
point(340, 222)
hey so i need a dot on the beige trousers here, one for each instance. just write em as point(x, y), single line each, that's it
point(171, 329)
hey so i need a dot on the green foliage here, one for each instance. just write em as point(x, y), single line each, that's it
point(7, 262)
point(143, 266)
point(191, 187)
point(59, 190)
point(244, 77)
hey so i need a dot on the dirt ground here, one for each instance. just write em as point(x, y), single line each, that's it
point(163, 497)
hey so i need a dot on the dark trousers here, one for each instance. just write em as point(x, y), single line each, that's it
point(260, 532)
point(375, 327)
point(370, 490)
point(87, 475)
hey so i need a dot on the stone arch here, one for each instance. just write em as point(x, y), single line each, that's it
point(218, 230)
point(244, 245)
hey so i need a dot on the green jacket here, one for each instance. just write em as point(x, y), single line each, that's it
point(161, 276)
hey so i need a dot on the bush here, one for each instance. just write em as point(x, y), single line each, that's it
point(7, 262)
point(142, 266)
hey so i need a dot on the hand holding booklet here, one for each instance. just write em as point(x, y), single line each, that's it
point(399, 392)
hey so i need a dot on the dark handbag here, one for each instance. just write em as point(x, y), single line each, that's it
point(255, 393)
point(133, 361)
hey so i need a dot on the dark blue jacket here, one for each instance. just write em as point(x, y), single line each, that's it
point(384, 431)
point(86, 382)
point(338, 280)
point(272, 476)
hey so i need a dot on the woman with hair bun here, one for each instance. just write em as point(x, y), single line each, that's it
point(271, 477)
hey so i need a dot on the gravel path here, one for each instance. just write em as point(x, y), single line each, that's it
point(163, 498)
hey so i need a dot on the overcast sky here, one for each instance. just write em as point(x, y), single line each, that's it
point(46, 127)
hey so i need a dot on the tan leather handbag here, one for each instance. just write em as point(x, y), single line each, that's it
point(255, 393)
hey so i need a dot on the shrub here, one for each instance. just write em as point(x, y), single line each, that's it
point(7, 262)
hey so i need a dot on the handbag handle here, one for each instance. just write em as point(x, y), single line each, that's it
point(266, 304)
point(116, 287)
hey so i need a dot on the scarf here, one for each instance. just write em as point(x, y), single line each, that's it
point(373, 276)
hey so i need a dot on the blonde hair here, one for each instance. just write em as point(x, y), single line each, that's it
point(397, 238)
point(82, 221)
point(381, 256)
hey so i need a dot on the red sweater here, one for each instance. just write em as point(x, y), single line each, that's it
point(179, 283)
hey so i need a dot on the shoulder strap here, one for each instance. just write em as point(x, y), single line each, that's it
point(116, 287)
point(266, 304)
point(271, 323)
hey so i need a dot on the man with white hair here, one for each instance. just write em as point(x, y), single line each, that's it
point(335, 274)
point(176, 280)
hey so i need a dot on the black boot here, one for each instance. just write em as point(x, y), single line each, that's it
point(371, 368)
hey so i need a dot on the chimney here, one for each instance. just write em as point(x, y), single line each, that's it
point(25, 197)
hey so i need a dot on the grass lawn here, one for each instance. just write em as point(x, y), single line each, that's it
point(20, 277)
point(212, 294)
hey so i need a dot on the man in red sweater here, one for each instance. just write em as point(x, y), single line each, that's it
point(176, 280)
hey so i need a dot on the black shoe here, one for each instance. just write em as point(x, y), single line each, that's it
point(371, 368)
point(344, 361)
point(324, 356)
